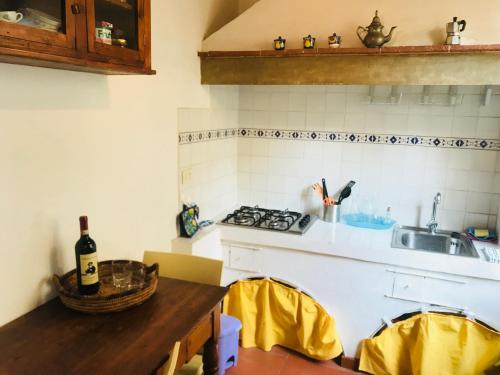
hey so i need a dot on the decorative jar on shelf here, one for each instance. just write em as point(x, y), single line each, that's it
point(334, 40)
point(309, 42)
point(279, 44)
point(104, 32)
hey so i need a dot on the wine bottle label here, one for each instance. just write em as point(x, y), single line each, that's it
point(88, 269)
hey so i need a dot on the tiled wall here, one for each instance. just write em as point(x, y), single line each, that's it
point(208, 165)
point(416, 151)
point(266, 145)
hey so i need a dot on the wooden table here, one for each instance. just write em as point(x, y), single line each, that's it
point(55, 340)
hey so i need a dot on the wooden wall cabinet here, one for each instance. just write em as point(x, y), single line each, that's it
point(77, 35)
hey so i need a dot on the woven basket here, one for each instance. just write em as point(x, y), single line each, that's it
point(109, 298)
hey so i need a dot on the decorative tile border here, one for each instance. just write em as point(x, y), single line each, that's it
point(344, 137)
point(207, 135)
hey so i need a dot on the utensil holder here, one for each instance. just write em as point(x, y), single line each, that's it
point(330, 214)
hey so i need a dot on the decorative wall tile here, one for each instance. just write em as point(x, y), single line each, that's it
point(371, 138)
point(343, 137)
point(206, 135)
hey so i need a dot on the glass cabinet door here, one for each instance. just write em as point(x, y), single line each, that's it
point(116, 29)
point(44, 21)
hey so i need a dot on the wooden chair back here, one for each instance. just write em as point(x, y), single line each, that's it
point(186, 267)
point(169, 367)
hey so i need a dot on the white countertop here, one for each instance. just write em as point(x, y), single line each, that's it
point(367, 245)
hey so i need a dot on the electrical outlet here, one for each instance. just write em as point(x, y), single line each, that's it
point(186, 176)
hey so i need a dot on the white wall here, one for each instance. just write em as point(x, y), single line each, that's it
point(419, 22)
point(245, 4)
point(76, 143)
point(208, 168)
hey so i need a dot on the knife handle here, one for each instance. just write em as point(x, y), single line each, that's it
point(325, 191)
point(351, 184)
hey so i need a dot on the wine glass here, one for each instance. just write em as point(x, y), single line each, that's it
point(122, 274)
point(138, 275)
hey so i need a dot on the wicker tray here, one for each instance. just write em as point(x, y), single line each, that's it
point(109, 298)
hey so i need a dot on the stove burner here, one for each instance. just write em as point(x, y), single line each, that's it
point(261, 218)
point(253, 210)
point(281, 213)
point(245, 216)
point(279, 225)
point(242, 219)
point(280, 220)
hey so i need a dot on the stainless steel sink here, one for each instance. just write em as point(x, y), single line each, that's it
point(410, 238)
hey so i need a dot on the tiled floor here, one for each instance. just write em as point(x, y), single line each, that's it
point(280, 361)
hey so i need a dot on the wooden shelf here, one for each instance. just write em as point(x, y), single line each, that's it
point(385, 51)
point(43, 60)
point(405, 65)
point(119, 4)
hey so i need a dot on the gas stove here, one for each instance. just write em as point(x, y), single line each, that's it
point(275, 220)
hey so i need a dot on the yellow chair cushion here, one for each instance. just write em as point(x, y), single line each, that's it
point(273, 314)
point(432, 344)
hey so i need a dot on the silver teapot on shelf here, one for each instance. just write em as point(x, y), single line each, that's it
point(374, 36)
point(453, 29)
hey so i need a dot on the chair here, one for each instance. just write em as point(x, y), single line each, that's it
point(169, 367)
point(431, 343)
point(204, 271)
point(275, 313)
point(186, 267)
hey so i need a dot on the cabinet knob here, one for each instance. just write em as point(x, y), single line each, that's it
point(75, 9)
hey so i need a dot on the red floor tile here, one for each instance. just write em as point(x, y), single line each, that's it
point(260, 355)
point(281, 361)
point(246, 367)
point(280, 350)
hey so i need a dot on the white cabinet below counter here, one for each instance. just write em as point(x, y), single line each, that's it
point(359, 293)
point(374, 246)
point(242, 258)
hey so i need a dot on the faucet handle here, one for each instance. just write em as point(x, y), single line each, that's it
point(437, 198)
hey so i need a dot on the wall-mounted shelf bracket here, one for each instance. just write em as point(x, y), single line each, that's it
point(395, 97)
point(488, 91)
point(452, 99)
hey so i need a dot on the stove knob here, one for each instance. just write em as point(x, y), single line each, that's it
point(305, 220)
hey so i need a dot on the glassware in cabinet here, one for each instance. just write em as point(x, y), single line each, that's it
point(46, 22)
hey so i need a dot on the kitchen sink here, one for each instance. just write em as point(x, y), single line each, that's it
point(442, 242)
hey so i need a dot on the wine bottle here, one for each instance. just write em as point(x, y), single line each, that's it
point(86, 261)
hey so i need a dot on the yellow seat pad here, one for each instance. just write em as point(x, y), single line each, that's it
point(274, 314)
point(432, 344)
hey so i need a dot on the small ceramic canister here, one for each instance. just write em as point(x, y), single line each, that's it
point(103, 33)
point(279, 44)
point(309, 42)
point(334, 40)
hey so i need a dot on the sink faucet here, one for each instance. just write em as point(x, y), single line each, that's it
point(433, 224)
